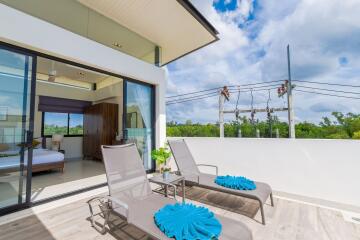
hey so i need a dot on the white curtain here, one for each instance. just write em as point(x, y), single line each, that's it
point(142, 96)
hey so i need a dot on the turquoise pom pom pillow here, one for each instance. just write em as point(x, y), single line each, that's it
point(239, 183)
point(187, 221)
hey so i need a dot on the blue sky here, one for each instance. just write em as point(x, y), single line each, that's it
point(323, 35)
point(224, 6)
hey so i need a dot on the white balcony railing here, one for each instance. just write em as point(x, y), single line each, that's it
point(316, 169)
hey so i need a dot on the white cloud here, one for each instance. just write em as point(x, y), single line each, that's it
point(320, 32)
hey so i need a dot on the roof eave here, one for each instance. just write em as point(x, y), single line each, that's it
point(215, 40)
point(198, 16)
point(203, 21)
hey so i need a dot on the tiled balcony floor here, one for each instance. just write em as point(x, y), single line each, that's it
point(288, 220)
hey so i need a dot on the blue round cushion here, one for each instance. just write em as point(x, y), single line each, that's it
point(239, 183)
point(187, 221)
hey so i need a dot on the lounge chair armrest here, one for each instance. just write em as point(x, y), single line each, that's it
point(100, 201)
point(208, 165)
point(104, 199)
point(120, 203)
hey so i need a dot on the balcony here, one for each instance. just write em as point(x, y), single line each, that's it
point(314, 181)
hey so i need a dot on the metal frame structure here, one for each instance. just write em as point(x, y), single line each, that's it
point(28, 136)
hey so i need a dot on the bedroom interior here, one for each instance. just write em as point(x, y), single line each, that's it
point(76, 111)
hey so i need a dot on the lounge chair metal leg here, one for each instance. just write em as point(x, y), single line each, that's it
point(262, 212)
point(106, 219)
point(271, 199)
point(183, 190)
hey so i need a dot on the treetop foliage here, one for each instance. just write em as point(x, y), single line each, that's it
point(344, 126)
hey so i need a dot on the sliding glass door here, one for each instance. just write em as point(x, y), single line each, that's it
point(139, 119)
point(16, 125)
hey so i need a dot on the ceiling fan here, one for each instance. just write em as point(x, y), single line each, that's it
point(52, 72)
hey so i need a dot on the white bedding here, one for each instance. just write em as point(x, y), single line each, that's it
point(40, 156)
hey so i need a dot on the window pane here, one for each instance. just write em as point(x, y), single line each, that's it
point(55, 123)
point(76, 124)
point(15, 85)
point(131, 120)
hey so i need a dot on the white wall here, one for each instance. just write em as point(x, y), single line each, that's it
point(321, 169)
point(160, 118)
point(26, 31)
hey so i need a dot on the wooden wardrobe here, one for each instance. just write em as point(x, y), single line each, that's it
point(100, 128)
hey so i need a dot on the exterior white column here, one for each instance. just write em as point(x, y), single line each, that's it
point(160, 111)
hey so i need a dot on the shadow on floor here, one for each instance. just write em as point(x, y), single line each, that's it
point(240, 205)
point(28, 228)
point(118, 228)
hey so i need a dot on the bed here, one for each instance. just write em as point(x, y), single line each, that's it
point(43, 160)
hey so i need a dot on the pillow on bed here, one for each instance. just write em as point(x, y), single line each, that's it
point(34, 144)
point(37, 143)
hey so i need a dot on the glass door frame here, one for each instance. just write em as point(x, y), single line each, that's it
point(29, 134)
point(153, 114)
point(35, 54)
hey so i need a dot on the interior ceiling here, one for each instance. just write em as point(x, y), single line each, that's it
point(165, 22)
point(44, 66)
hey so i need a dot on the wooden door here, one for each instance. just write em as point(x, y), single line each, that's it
point(89, 133)
point(110, 123)
point(100, 128)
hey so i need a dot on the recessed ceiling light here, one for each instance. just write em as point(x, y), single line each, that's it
point(116, 44)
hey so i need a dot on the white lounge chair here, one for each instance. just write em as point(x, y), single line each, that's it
point(131, 197)
point(193, 177)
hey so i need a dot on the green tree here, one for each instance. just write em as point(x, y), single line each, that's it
point(356, 135)
point(344, 126)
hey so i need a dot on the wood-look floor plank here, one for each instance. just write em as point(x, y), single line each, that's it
point(288, 220)
point(334, 225)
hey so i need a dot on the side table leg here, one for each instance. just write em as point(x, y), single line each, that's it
point(166, 190)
